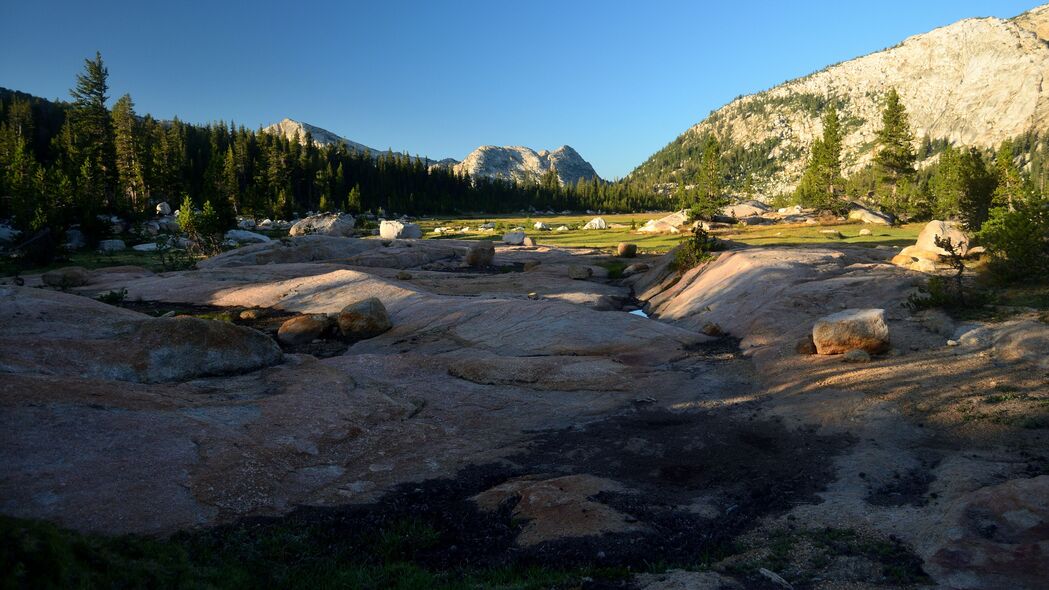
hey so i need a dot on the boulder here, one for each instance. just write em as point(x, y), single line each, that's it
point(480, 254)
point(625, 250)
point(146, 247)
point(927, 238)
point(633, 269)
point(303, 329)
point(241, 236)
point(860, 213)
point(529, 241)
point(75, 239)
point(857, 355)
point(247, 224)
point(832, 233)
point(596, 223)
point(398, 230)
point(67, 277)
point(514, 238)
point(163, 208)
point(112, 246)
point(364, 319)
point(8, 234)
point(562, 228)
point(540, 226)
point(325, 224)
point(863, 329)
point(757, 220)
point(580, 272)
point(751, 208)
point(685, 580)
point(865, 232)
point(1023, 340)
point(658, 226)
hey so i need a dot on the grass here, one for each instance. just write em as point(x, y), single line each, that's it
point(278, 554)
point(90, 260)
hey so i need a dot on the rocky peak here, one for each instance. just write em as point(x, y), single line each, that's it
point(522, 164)
point(976, 82)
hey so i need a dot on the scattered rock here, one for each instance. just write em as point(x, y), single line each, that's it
point(580, 272)
point(860, 213)
point(841, 332)
point(514, 238)
point(112, 246)
point(746, 209)
point(404, 275)
point(163, 208)
point(480, 254)
point(685, 580)
point(364, 319)
point(303, 329)
point(253, 314)
point(325, 224)
point(540, 226)
point(66, 277)
point(866, 232)
point(636, 268)
point(713, 330)
point(146, 247)
point(625, 250)
point(596, 223)
point(396, 230)
point(805, 346)
point(943, 229)
point(529, 242)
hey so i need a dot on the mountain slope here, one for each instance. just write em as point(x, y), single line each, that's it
point(524, 164)
point(976, 82)
point(291, 129)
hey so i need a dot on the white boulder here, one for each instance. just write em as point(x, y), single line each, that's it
point(241, 236)
point(112, 246)
point(863, 329)
point(596, 223)
point(397, 230)
point(325, 224)
point(163, 208)
point(514, 238)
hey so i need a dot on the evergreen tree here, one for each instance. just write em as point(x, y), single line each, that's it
point(353, 199)
point(92, 136)
point(1010, 185)
point(895, 157)
point(130, 179)
point(821, 181)
point(709, 197)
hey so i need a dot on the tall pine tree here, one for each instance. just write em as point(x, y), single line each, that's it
point(895, 157)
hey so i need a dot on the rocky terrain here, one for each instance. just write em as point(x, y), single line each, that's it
point(976, 82)
point(507, 392)
point(293, 129)
point(523, 164)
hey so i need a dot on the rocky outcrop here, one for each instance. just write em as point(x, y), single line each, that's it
point(399, 230)
point(297, 131)
point(324, 224)
point(523, 164)
point(976, 82)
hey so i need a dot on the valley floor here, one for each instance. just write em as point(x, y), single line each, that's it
point(516, 428)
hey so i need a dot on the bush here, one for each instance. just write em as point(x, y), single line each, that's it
point(696, 250)
point(1018, 240)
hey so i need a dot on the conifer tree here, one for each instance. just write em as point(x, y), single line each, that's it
point(821, 181)
point(895, 158)
point(92, 135)
point(130, 179)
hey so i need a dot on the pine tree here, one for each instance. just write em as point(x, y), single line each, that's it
point(230, 182)
point(895, 158)
point(1011, 187)
point(709, 197)
point(130, 179)
point(93, 136)
point(353, 199)
point(821, 181)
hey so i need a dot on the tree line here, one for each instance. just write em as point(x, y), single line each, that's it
point(69, 162)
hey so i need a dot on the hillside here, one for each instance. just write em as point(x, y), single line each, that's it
point(975, 82)
point(524, 164)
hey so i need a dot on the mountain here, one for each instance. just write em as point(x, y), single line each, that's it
point(291, 129)
point(976, 82)
point(525, 164)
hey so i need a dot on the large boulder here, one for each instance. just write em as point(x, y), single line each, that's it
point(67, 277)
point(163, 208)
point(364, 319)
point(596, 223)
point(943, 229)
point(863, 329)
point(324, 224)
point(540, 226)
point(397, 230)
point(658, 226)
point(746, 209)
point(241, 236)
point(480, 254)
point(858, 212)
point(625, 250)
point(303, 329)
point(514, 238)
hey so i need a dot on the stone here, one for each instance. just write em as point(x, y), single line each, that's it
point(937, 322)
point(540, 226)
point(146, 247)
point(112, 246)
point(832, 233)
point(530, 265)
point(75, 239)
point(865, 232)
point(994, 537)
point(562, 228)
point(325, 224)
point(625, 250)
point(241, 236)
point(856, 355)
point(404, 275)
point(927, 238)
point(1022, 341)
point(805, 346)
point(529, 242)
point(751, 208)
point(685, 580)
point(303, 329)
point(713, 330)
point(253, 314)
point(397, 230)
point(480, 254)
point(8, 234)
point(858, 212)
point(580, 272)
point(66, 277)
point(514, 238)
point(364, 319)
point(658, 226)
point(636, 268)
point(247, 223)
point(163, 208)
point(863, 329)
point(596, 223)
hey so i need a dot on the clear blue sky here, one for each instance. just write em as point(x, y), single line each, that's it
point(617, 80)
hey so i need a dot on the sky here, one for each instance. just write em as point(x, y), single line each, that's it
point(616, 80)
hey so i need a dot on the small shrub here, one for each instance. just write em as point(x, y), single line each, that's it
point(1017, 239)
point(696, 250)
point(113, 297)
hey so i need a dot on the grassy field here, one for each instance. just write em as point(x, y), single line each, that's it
point(755, 235)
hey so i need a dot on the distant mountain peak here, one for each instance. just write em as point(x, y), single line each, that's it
point(523, 164)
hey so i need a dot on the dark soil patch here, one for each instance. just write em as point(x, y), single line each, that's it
point(907, 489)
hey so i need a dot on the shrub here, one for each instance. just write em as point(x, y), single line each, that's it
point(1017, 239)
point(696, 250)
